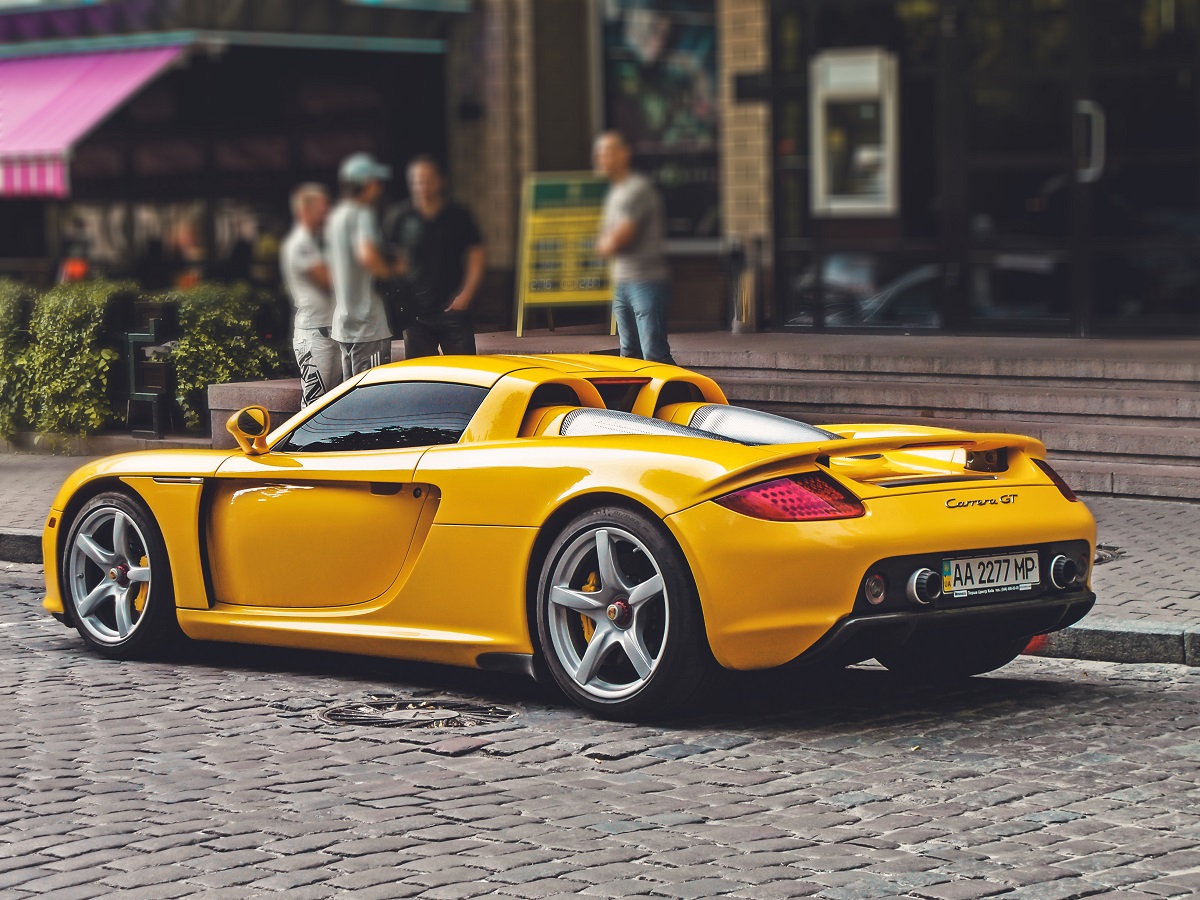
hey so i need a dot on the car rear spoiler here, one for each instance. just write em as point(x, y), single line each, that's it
point(800, 456)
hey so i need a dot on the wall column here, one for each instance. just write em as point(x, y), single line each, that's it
point(746, 126)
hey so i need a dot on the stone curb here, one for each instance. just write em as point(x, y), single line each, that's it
point(1106, 639)
point(21, 545)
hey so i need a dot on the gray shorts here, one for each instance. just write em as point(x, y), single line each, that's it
point(366, 355)
point(320, 360)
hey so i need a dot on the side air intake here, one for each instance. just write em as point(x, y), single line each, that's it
point(749, 426)
point(592, 422)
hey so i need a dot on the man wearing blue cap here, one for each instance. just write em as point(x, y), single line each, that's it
point(354, 249)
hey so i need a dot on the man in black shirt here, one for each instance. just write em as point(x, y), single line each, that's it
point(443, 256)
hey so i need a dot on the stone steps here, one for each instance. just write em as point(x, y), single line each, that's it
point(1126, 427)
point(991, 358)
point(1161, 444)
point(955, 397)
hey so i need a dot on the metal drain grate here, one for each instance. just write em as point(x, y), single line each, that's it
point(387, 711)
point(1106, 553)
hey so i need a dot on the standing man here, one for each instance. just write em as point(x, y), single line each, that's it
point(354, 249)
point(632, 235)
point(306, 276)
point(442, 253)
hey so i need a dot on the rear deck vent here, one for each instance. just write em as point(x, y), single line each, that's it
point(987, 460)
point(594, 422)
point(917, 480)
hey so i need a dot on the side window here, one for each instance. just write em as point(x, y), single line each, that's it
point(389, 416)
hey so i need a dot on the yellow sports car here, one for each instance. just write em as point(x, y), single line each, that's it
point(609, 523)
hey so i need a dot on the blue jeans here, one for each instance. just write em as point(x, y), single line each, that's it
point(641, 311)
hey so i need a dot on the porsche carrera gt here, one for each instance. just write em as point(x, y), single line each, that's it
point(611, 524)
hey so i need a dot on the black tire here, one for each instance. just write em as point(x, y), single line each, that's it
point(666, 625)
point(951, 655)
point(137, 619)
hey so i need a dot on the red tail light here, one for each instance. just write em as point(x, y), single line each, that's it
point(798, 498)
point(1057, 479)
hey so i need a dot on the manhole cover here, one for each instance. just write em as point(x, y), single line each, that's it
point(1106, 553)
point(405, 712)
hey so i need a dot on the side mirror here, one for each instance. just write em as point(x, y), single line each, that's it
point(249, 428)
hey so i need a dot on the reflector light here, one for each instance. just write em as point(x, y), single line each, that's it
point(875, 589)
point(1063, 487)
point(799, 498)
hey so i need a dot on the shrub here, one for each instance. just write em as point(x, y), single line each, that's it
point(75, 329)
point(14, 299)
point(219, 344)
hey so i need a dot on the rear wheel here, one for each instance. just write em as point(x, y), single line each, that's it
point(618, 617)
point(943, 656)
point(116, 578)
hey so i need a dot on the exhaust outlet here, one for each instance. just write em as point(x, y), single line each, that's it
point(1063, 572)
point(924, 586)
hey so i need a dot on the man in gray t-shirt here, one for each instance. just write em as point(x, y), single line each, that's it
point(306, 275)
point(632, 235)
point(353, 246)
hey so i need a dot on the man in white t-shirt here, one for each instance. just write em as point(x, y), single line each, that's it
point(354, 247)
point(306, 276)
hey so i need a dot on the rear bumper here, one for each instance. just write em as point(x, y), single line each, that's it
point(770, 591)
point(862, 636)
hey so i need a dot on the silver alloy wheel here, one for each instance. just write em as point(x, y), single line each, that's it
point(108, 575)
point(609, 637)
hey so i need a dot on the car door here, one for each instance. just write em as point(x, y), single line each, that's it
point(325, 519)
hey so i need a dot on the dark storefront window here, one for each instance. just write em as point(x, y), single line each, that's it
point(190, 180)
point(660, 91)
point(1049, 168)
point(845, 269)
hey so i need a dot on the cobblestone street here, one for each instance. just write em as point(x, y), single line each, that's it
point(212, 775)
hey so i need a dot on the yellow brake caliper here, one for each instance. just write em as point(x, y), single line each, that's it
point(139, 600)
point(589, 587)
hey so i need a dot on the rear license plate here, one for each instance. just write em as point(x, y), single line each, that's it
point(1001, 574)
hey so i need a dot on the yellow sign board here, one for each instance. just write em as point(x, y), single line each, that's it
point(559, 265)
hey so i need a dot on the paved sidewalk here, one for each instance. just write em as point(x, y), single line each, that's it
point(1149, 596)
point(210, 775)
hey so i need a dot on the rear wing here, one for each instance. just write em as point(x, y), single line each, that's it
point(801, 456)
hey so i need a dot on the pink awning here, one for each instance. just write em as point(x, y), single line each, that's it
point(48, 104)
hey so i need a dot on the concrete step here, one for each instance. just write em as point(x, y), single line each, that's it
point(960, 399)
point(105, 444)
point(1162, 444)
point(1130, 479)
point(1084, 458)
point(819, 370)
point(988, 358)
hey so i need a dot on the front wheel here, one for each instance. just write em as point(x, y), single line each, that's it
point(619, 619)
point(116, 578)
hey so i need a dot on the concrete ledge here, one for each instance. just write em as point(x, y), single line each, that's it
point(281, 398)
point(1123, 641)
point(20, 545)
point(96, 444)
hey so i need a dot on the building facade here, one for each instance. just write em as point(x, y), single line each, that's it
point(963, 166)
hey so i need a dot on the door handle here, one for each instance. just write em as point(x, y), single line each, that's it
point(386, 488)
point(1093, 112)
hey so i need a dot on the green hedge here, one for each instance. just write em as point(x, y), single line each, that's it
point(14, 300)
point(218, 344)
point(75, 336)
point(65, 375)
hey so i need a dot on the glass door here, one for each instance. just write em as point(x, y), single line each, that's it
point(1021, 206)
point(1141, 252)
